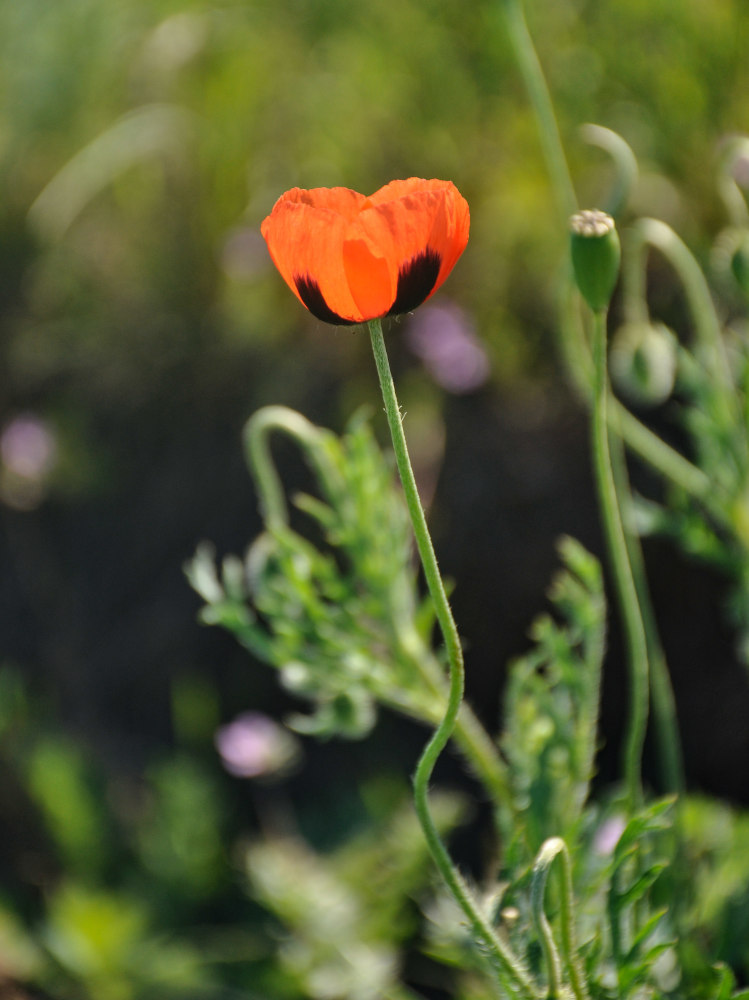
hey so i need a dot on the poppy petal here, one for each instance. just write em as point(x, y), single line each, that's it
point(371, 277)
point(416, 281)
point(305, 235)
point(450, 232)
point(343, 201)
point(416, 229)
point(398, 189)
point(310, 295)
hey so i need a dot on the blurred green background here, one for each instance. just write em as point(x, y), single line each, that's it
point(141, 322)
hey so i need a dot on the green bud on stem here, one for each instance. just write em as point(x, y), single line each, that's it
point(596, 253)
point(643, 362)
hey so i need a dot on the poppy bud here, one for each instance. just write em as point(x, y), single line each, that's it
point(643, 362)
point(594, 244)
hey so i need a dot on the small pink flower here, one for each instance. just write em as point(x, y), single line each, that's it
point(27, 447)
point(443, 338)
point(254, 745)
point(607, 835)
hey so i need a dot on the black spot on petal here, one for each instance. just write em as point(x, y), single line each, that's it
point(416, 280)
point(311, 296)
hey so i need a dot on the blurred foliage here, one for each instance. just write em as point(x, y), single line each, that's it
point(642, 916)
point(344, 915)
point(160, 911)
point(551, 706)
point(341, 621)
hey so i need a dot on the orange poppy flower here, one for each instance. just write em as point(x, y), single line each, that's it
point(349, 258)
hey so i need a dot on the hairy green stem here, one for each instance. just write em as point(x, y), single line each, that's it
point(473, 741)
point(637, 436)
point(497, 951)
point(615, 924)
point(556, 988)
point(567, 916)
point(551, 849)
point(634, 630)
point(476, 745)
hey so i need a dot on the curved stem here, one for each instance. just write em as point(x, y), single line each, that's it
point(483, 757)
point(657, 234)
point(257, 432)
point(662, 694)
point(479, 749)
point(541, 923)
point(498, 952)
point(624, 160)
point(730, 192)
point(666, 460)
point(551, 849)
point(538, 94)
point(636, 641)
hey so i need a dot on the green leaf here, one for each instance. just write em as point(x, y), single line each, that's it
point(652, 819)
point(644, 932)
point(641, 885)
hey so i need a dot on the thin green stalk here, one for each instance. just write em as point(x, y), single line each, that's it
point(497, 951)
point(666, 460)
point(634, 630)
point(538, 94)
point(623, 159)
point(638, 437)
point(569, 933)
point(615, 925)
point(665, 719)
point(662, 694)
point(473, 741)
